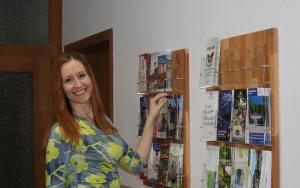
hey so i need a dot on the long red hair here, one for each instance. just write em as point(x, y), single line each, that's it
point(61, 106)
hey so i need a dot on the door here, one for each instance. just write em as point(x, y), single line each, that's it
point(24, 116)
point(30, 38)
point(98, 51)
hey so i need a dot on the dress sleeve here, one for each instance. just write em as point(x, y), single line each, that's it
point(57, 156)
point(130, 160)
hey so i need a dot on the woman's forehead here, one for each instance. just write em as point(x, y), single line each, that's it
point(72, 67)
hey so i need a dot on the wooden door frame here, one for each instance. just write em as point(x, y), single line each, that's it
point(98, 38)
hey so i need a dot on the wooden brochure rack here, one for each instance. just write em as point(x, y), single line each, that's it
point(180, 86)
point(251, 61)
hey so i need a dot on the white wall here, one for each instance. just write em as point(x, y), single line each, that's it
point(145, 26)
point(84, 18)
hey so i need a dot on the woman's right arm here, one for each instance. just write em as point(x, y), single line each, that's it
point(57, 155)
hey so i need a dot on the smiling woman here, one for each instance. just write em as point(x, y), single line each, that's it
point(84, 149)
point(77, 83)
point(75, 92)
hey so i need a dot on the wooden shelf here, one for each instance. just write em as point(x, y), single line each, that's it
point(238, 86)
point(239, 145)
point(156, 185)
point(154, 93)
point(169, 140)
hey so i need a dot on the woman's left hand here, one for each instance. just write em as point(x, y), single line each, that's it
point(156, 104)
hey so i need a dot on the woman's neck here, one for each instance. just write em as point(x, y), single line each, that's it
point(83, 110)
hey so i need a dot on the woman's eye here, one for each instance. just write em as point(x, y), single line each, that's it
point(81, 76)
point(68, 80)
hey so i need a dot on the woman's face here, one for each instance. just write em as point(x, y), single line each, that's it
point(77, 84)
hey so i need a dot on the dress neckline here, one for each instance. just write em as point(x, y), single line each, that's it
point(84, 118)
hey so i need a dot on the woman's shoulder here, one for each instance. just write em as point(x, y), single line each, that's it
point(56, 136)
point(56, 131)
point(115, 130)
point(56, 128)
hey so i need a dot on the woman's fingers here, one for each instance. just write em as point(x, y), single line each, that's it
point(157, 102)
point(158, 97)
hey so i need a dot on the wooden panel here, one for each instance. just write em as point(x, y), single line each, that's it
point(245, 61)
point(274, 76)
point(186, 121)
point(180, 80)
point(179, 60)
point(43, 115)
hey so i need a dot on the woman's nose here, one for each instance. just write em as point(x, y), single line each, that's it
point(77, 82)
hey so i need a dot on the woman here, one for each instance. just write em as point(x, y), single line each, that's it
point(84, 148)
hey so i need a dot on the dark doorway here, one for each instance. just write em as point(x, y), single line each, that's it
point(98, 50)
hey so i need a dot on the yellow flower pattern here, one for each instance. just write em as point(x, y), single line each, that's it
point(52, 152)
point(115, 184)
point(93, 162)
point(106, 167)
point(79, 163)
point(69, 179)
point(80, 146)
point(86, 129)
point(82, 186)
point(114, 150)
point(48, 178)
point(134, 162)
point(96, 179)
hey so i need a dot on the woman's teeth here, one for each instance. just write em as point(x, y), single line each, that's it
point(80, 92)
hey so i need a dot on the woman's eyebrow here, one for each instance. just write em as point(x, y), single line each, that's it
point(67, 76)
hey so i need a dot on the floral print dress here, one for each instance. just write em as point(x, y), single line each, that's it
point(93, 162)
